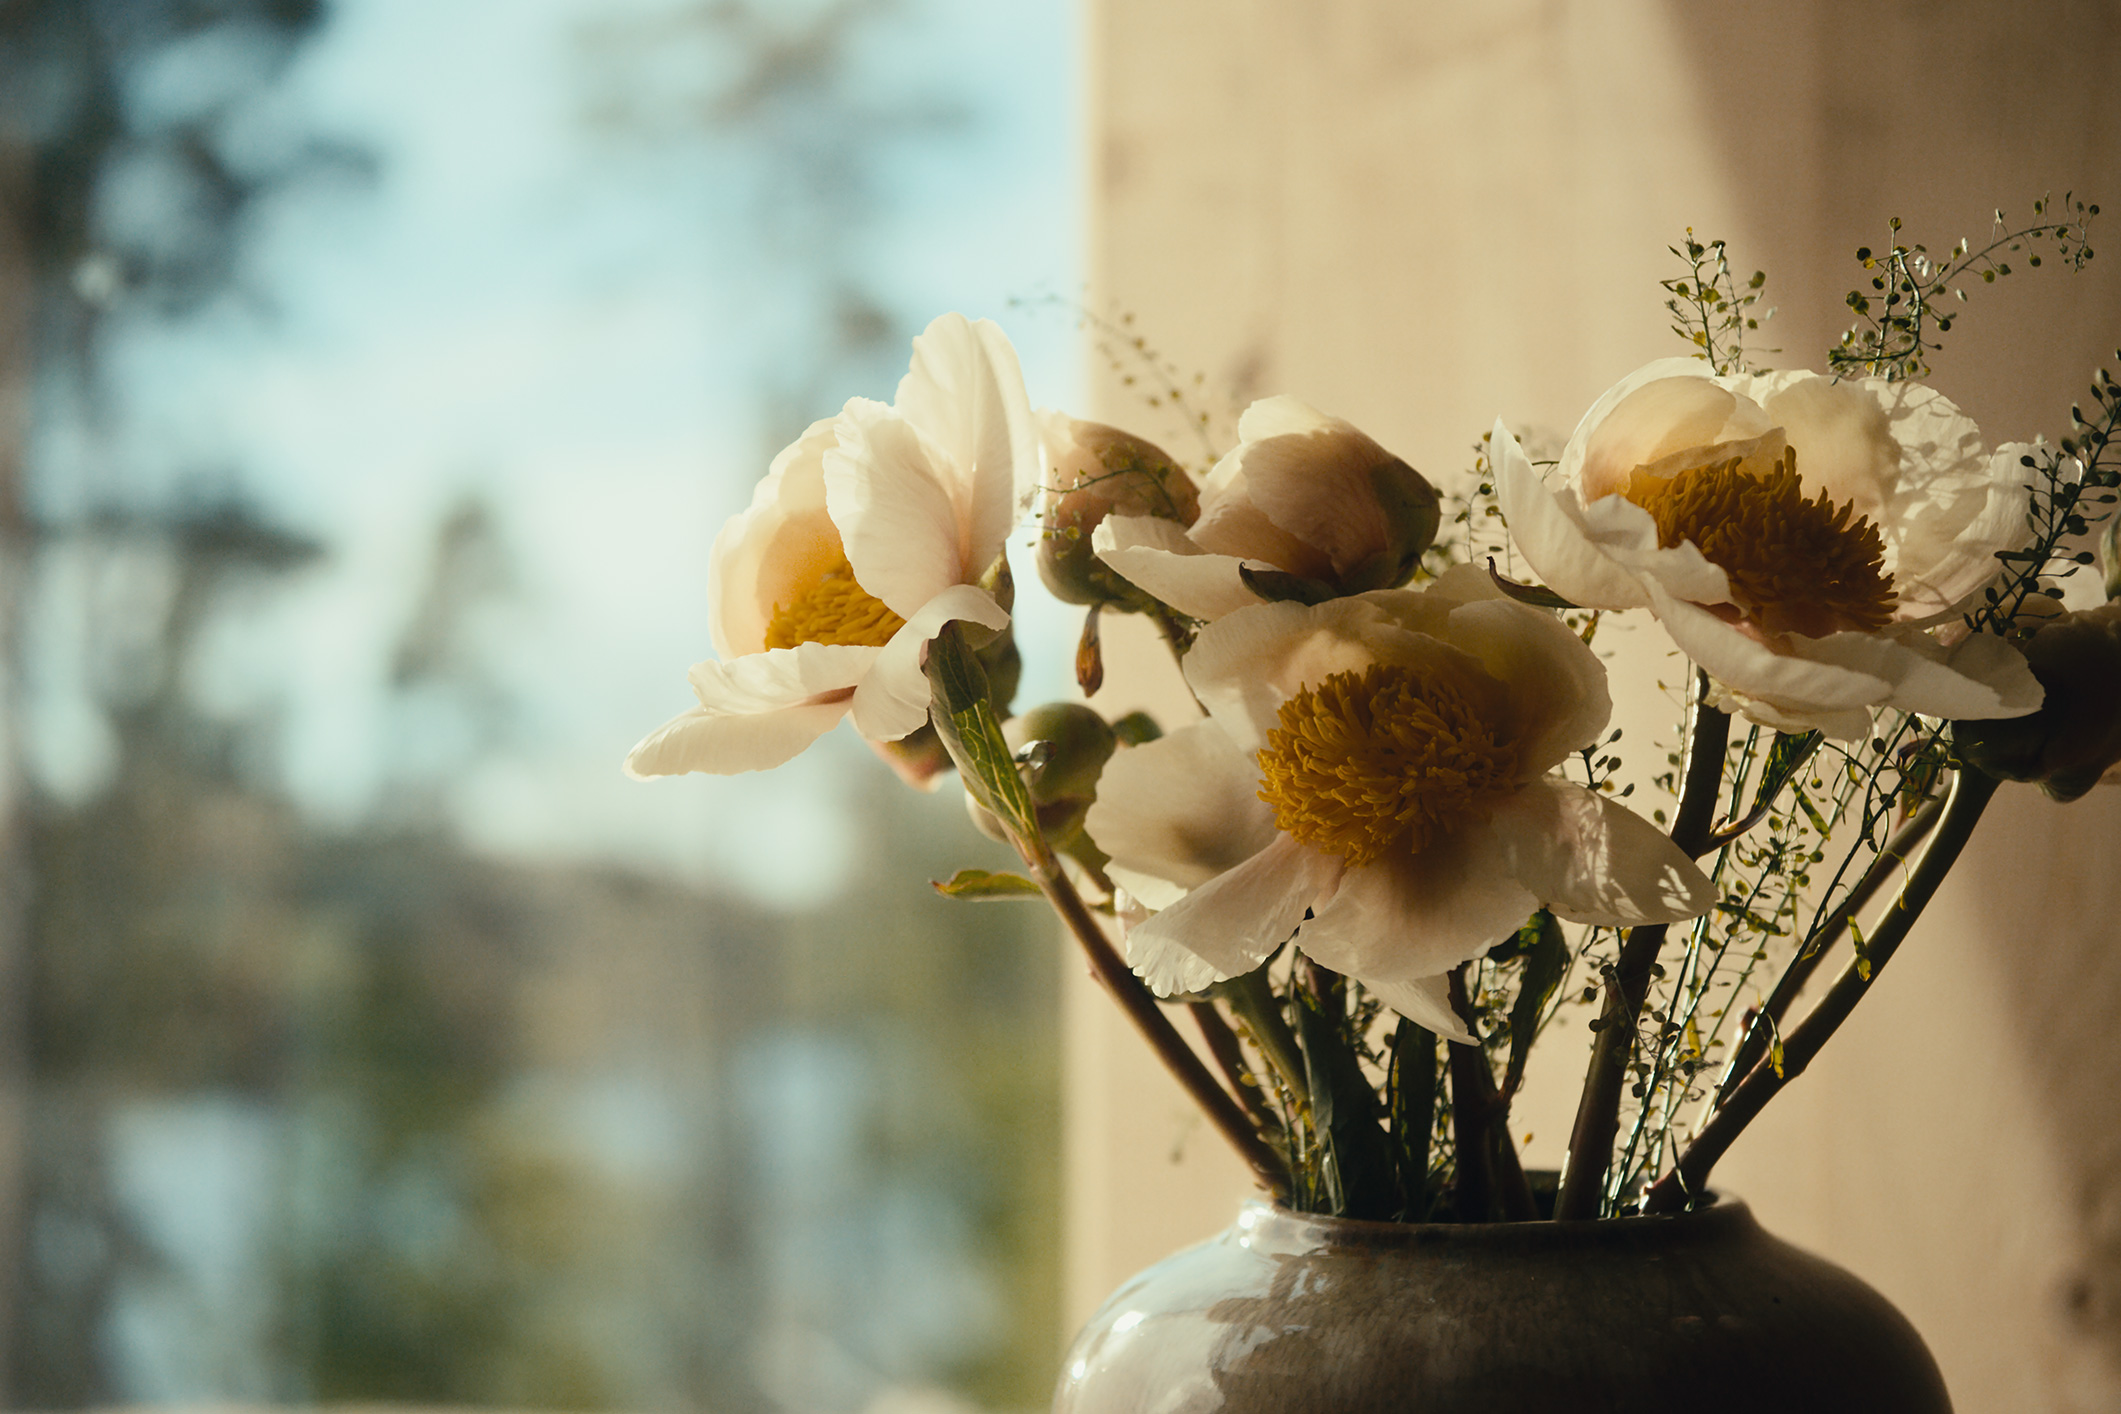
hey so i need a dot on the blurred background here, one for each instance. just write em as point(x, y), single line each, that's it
point(373, 379)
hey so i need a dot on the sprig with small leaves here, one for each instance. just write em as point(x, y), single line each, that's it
point(1708, 308)
point(1140, 365)
point(1905, 308)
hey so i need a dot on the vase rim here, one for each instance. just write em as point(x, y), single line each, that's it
point(1276, 1223)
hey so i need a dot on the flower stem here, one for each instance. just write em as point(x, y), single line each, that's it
point(1230, 1058)
point(1971, 792)
point(1148, 1017)
point(1627, 982)
point(1491, 1181)
point(1761, 1033)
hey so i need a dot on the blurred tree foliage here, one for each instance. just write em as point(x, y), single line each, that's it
point(516, 1145)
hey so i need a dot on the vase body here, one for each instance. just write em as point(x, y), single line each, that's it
point(1297, 1314)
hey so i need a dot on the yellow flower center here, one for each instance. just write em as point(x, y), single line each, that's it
point(833, 609)
point(1794, 565)
point(1385, 759)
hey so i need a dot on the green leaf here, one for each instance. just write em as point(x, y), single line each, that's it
point(1413, 1107)
point(982, 886)
point(1546, 959)
point(1862, 948)
point(1358, 1168)
point(971, 731)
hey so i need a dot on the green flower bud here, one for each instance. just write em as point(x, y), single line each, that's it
point(1092, 471)
point(2075, 737)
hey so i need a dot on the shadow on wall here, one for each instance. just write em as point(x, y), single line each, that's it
point(1838, 115)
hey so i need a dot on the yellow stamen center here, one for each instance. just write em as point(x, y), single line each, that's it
point(1387, 759)
point(833, 609)
point(1795, 566)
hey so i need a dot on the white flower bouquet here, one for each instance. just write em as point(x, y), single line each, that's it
point(1391, 844)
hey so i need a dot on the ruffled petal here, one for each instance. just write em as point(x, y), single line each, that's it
point(725, 744)
point(1936, 580)
point(1419, 916)
point(1312, 477)
point(894, 508)
point(1552, 540)
point(1158, 557)
point(893, 697)
point(1653, 419)
point(1233, 922)
point(964, 392)
point(1594, 861)
point(1182, 808)
point(780, 677)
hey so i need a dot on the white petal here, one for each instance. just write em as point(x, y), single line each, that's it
point(1591, 860)
point(1938, 579)
point(1653, 419)
point(1246, 664)
point(1416, 917)
point(1425, 1001)
point(724, 744)
point(780, 677)
point(964, 392)
point(892, 501)
point(1235, 920)
point(1982, 677)
point(893, 697)
point(1159, 557)
point(779, 545)
point(1556, 686)
point(1797, 685)
point(1551, 539)
point(1182, 808)
point(1283, 416)
point(1316, 483)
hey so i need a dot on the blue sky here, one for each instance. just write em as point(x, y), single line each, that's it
point(574, 319)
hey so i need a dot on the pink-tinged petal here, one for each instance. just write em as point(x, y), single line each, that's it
point(771, 551)
point(893, 697)
point(725, 744)
point(1182, 808)
point(1552, 540)
point(1555, 687)
point(1235, 920)
point(1655, 419)
point(1981, 677)
point(1416, 917)
point(1311, 476)
point(1425, 1001)
point(964, 393)
point(894, 509)
point(1158, 557)
point(1591, 860)
point(1796, 685)
point(1230, 524)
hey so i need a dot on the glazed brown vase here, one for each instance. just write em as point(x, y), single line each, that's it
point(1289, 1313)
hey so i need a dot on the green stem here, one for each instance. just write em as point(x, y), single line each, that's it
point(1627, 984)
point(1971, 793)
point(1230, 1058)
point(1252, 998)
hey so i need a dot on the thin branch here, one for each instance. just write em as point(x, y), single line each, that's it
point(1891, 860)
point(1627, 983)
point(1230, 1058)
point(1971, 793)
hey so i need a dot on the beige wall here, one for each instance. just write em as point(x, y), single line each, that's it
point(1420, 216)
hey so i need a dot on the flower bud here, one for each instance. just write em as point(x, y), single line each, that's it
point(2075, 737)
point(1092, 471)
point(1070, 744)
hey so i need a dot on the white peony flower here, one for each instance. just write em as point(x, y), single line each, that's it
point(1302, 493)
point(867, 535)
point(1794, 534)
point(1376, 776)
